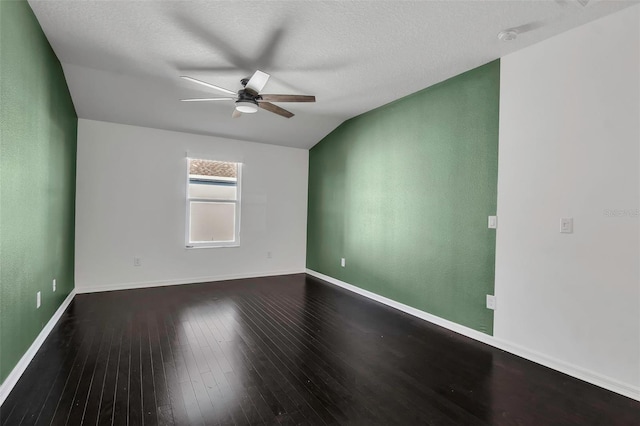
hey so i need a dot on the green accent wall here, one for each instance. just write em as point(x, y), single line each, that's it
point(37, 182)
point(403, 192)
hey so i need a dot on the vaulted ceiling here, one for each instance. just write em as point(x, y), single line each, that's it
point(123, 59)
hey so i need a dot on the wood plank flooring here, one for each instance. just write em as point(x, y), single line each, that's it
point(286, 350)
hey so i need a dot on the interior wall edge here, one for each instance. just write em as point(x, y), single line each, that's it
point(577, 372)
point(21, 366)
point(198, 280)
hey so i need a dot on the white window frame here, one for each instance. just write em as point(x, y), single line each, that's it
point(213, 244)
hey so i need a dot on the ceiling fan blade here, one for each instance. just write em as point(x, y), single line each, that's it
point(207, 99)
point(204, 83)
point(236, 114)
point(257, 81)
point(276, 109)
point(288, 98)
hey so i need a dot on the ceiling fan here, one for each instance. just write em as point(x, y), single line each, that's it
point(249, 99)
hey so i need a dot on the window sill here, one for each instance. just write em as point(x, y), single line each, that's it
point(211, 247)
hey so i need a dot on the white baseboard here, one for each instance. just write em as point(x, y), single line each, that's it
point(21, 366)
point(80, 289)
point(589, 376)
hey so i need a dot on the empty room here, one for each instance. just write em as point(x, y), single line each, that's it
point(320, 212)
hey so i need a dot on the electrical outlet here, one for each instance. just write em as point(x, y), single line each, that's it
point(343, 262)
point(491, 302)
point(38, 300)
point(54, 285)
point(137, 261)
point(269, 255)
point(493, 222)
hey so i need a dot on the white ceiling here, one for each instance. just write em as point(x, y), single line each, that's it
point(122, 59)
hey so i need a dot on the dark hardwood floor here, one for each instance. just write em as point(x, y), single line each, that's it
point(283, 350)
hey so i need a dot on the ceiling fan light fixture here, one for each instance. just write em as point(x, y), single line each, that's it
point(247, 107)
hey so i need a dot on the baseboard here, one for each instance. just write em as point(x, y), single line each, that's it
point(592, 377)
point(21, 366)
point(195, 280)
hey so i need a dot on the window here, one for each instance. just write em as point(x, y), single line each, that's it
point(213, 203)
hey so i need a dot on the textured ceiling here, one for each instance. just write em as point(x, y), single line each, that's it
point(122, 59)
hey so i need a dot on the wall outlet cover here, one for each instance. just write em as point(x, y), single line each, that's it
point(493, 222)
point(54, 285)
point(343, 262)
point(38, 300)
point(137, 261)
point(491, 302)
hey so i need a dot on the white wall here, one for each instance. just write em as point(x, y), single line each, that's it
point(130, 202)
point(569, 147)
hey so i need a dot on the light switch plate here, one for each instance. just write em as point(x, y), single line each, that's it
point(343, 262)
point(566, 225)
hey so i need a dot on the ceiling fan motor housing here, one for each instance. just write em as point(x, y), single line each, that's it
point(247, 96)
point(246, 102)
